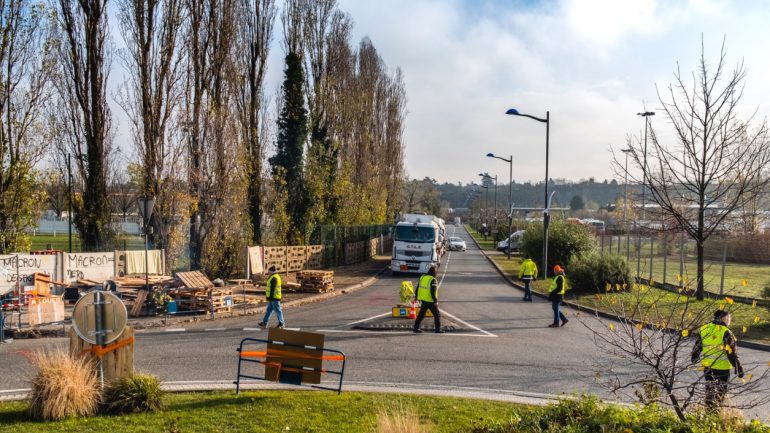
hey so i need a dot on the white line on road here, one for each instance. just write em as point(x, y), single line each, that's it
point(376, 332)
point(370, 318)
point(252, 329)
point(215, 329)
point(175, 330)
point(468, 324)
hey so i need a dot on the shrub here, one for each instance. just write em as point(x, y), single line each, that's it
point(62, 386)
point(592, 272)
point(401, 419)
point(136, 393)
point(564, 242)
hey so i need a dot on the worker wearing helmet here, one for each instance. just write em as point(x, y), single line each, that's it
point(716, 350)
point(556, 295)
point(427, 294)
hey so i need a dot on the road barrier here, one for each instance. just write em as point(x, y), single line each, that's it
point(288, 362)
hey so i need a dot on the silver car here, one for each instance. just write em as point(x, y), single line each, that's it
point(456, 244)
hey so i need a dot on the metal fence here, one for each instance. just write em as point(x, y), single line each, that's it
point(733, 264)
point(334, 238)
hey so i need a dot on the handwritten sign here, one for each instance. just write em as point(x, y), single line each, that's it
point(45, 310)
point(22, 268)
point(90, 266)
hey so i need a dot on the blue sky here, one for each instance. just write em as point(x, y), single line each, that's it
point(592, 63)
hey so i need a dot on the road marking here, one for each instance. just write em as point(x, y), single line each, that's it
point(468, 324)
point(253, 329)
point(374, 333)
point(215, 329)
point(370, 318)
point(175, 330)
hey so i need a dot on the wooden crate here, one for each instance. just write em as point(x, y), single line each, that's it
point(322, 277)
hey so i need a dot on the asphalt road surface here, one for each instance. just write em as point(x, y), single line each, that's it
point(504, 343)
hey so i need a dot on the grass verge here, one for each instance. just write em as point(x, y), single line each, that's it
point(308, 411)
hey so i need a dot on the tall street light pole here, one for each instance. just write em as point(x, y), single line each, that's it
point(546, 213)
point(494, 217)
point(625, 203)
point(646, 116)
point(486, 210)
point(510, 196)
point(69, 202)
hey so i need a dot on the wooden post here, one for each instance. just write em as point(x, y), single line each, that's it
point(117, 364)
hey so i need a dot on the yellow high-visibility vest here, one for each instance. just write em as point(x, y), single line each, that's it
point(528, 269)
point(553, 286)
point(712, 337)
point(423, 290)
point(270, 293)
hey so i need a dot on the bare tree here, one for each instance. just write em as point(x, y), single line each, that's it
point(25, 67)
point(255, 31)
point(85, 116)
point(653, 341)
point(151, 98)
point(718, 164)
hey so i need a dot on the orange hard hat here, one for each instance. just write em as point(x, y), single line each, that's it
point(557, 269)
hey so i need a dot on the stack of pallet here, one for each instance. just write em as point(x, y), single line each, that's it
point(198, 293)
point(275, 256)
point(132, 289)
point(316, 281)
point(296, 258)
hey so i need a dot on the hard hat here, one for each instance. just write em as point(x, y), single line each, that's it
point(557, 269)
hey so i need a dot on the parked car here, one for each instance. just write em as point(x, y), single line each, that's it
point(515, 239)
point(456, 244)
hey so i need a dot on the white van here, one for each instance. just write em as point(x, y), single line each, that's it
point(515, 239)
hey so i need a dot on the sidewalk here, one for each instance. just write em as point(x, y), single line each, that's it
point(346, 279)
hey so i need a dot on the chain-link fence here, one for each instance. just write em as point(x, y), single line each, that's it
point(733, 264)
point(335, 237)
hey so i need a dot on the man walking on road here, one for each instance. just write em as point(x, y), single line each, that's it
point(716, 350)
point(556, 295)
point(427, 294)
point(527, 273)
point(273, 294)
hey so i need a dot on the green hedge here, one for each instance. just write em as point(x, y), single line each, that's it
point(592, 272)
point(565, 241)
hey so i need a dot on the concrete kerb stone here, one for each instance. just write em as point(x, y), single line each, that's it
point(603, 314)
point(159, 322)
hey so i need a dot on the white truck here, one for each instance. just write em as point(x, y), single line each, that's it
point(418, 243)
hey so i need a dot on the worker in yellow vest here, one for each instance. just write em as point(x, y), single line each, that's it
point(556, 295)
point(527, 273)
point(427, 294)
point(716, 350)
point(273, 294)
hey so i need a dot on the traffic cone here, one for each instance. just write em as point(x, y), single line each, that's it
point(413, 311)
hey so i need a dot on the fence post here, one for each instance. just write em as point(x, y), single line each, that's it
point(601, 236)
point(665, 255)
point(724, 261)
point(681, 259)
point(652, 254)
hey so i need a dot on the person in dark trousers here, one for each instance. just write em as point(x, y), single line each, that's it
point(556, 295)
point(427, 294)
point(527, 273)
point(273, 294)
point(716, 350)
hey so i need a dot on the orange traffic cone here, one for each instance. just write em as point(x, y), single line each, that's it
point(413, 311)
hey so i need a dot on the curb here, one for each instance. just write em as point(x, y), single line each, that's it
point(750, 344)
point(61, 331)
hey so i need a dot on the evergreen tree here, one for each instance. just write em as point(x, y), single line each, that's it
point(577, 203)
point(292, 135)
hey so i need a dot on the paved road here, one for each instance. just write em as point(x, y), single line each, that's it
point(505, 344)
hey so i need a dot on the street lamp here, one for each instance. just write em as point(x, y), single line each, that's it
point(625, 203)
point(546, 215)
point(510, 196)
point(145, 208)
point(486, 210)
point(494, 218)
point(646, 116)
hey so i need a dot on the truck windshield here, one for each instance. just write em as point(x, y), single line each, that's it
point(414, 234)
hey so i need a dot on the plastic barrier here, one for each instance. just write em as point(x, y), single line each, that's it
point(285, 363)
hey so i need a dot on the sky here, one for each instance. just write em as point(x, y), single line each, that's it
point(593, 64)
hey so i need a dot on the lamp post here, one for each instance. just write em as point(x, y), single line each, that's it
point(646, 116)
point(625, 203)
point(494, 217)
point(69, 202)
point(510, 196)
point(145, 208)
point(486, 210)
point(546, 214)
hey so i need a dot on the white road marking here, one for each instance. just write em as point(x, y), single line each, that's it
point(215, 329)
point(175, 330)
point(252, 329)
point(366, 320)
point(375, 333)
point(468, 324)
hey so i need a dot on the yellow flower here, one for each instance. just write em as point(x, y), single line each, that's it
point(756, 319)
point(685, 332)
point(608, 287)
point(639, 326)
point(744, 283)
point(744, 329)
point(753, 303)
point(729, 300)
point(679, 278)
point(612, 327)
point(721, 306)
point(617, 286)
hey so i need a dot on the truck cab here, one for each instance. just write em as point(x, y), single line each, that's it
point(417, 244)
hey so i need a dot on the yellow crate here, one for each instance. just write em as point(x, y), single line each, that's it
point(404, 312)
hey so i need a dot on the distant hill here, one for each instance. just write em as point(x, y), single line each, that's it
point(531, 195)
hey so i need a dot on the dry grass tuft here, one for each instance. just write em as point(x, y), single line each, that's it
point(400, 419)
point(62, 387)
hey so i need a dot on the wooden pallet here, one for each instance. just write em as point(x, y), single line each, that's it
point(194, 280)
point(322, 277)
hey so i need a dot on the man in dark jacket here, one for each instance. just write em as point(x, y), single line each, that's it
point(716, 350)
point(427, 294)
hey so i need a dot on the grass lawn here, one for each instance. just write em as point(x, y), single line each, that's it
point(271, 411)
point(488, 244)
point(61, 242)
